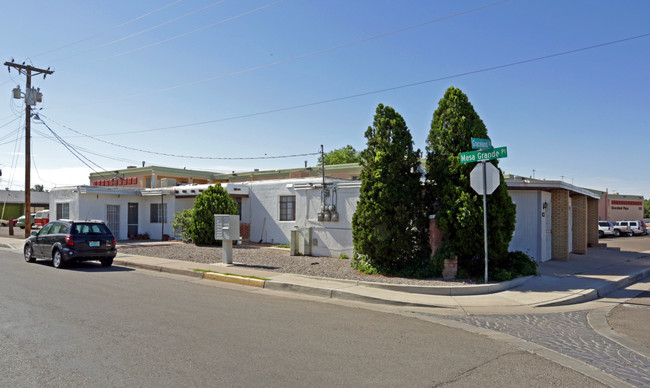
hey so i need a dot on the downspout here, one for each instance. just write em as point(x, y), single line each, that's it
point(163, 218)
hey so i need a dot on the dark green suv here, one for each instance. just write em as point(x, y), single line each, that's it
point(65, 241)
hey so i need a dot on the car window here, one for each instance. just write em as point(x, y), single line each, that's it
point(45, 230)
point(90, 229)
point(56, 229)
point(64, 229)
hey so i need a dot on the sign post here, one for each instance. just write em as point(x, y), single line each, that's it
point(484, 179)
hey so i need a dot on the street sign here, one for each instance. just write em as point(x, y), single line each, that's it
point(481, 144)
point(481, 155)
point(492, 178)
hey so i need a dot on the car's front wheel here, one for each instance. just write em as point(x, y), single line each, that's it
point(29, 254)
point(601, 234)
point(106, 262)
point(57, 259)
point(617, 233)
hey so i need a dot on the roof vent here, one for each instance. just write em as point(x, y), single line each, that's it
point(131, 167)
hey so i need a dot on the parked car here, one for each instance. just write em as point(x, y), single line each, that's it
point(20, 221)
point(71, 241)
point(42, 217)
point(630, 228)
point(606, 228)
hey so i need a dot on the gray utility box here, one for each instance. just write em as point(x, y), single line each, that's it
point(226, 227)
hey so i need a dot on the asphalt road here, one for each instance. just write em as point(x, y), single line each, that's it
point(91, 326)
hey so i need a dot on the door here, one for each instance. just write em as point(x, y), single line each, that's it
point(41, 241)
point(132, 219)
point(113, 219)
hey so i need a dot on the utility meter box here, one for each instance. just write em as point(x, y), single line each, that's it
point(226, 227)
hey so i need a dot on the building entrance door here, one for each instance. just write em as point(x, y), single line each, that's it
point(113, 219)
point(132, 219)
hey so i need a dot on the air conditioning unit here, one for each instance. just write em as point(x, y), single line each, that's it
point(167, 182)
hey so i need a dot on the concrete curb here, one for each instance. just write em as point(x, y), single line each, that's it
point(597, 319)
point(598, 292)
point(246, 281)
point(474, 289)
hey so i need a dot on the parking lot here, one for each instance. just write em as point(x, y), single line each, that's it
point(632, 244)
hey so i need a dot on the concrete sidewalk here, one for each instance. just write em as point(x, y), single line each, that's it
point(581, 279)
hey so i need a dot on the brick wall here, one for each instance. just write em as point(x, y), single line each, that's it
point(592, 221)
point(560, 225)
point(579, 214)
point(245, 231)
point(435, 236)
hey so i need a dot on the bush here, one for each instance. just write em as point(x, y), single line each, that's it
point(214, 200)
point(182, 223)
point(389, 226)
point(515, 264)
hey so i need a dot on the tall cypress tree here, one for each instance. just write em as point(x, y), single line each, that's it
point(460, 211)
point(389, 227)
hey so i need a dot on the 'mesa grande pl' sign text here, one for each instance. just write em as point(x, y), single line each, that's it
point(481, 155)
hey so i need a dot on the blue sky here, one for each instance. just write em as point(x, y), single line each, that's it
point(123, 72)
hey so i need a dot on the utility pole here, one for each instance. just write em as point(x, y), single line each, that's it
point(31, 97)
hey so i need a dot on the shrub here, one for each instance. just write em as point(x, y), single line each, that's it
point(182, 223)
point(389, 226)
point(213, 200)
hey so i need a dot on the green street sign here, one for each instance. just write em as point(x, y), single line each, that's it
point(481, 144)
point(481, 155)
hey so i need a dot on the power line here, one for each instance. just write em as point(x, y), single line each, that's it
point(193, 31)
point(177, 155)
point(71, 149)
point(141, 31)
point(377, 91)
point(108, 30)
point(307, 55)
point(76, 147)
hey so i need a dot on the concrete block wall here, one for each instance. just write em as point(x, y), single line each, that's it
point(579, 214)
point(560, 225)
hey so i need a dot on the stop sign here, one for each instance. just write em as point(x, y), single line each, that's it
point(492, 178)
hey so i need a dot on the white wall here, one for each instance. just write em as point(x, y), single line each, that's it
point(528, 230)
point(263, 208)
point(93, 206)
point(331, 238)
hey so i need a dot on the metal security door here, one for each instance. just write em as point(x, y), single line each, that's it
point(113, 219)
point(132, 219)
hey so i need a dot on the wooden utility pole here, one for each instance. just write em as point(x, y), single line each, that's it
point(30, 99)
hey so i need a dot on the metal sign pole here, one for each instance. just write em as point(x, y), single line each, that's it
point(485, 241)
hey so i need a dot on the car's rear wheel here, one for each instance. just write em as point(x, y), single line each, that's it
point(617, 233)
point(57, 259)
point(29, 254)
point(106, 262)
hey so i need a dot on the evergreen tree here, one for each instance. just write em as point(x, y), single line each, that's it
point(389, 227)
point(459, 213)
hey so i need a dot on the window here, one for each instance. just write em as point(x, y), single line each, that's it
point(62, 211)
point(287, 208)
point(158, 213)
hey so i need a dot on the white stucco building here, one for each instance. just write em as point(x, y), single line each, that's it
point(270, 210)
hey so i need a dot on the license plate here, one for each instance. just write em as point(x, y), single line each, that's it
point(93, 243)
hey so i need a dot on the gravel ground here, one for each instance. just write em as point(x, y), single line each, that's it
point(267, 258)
